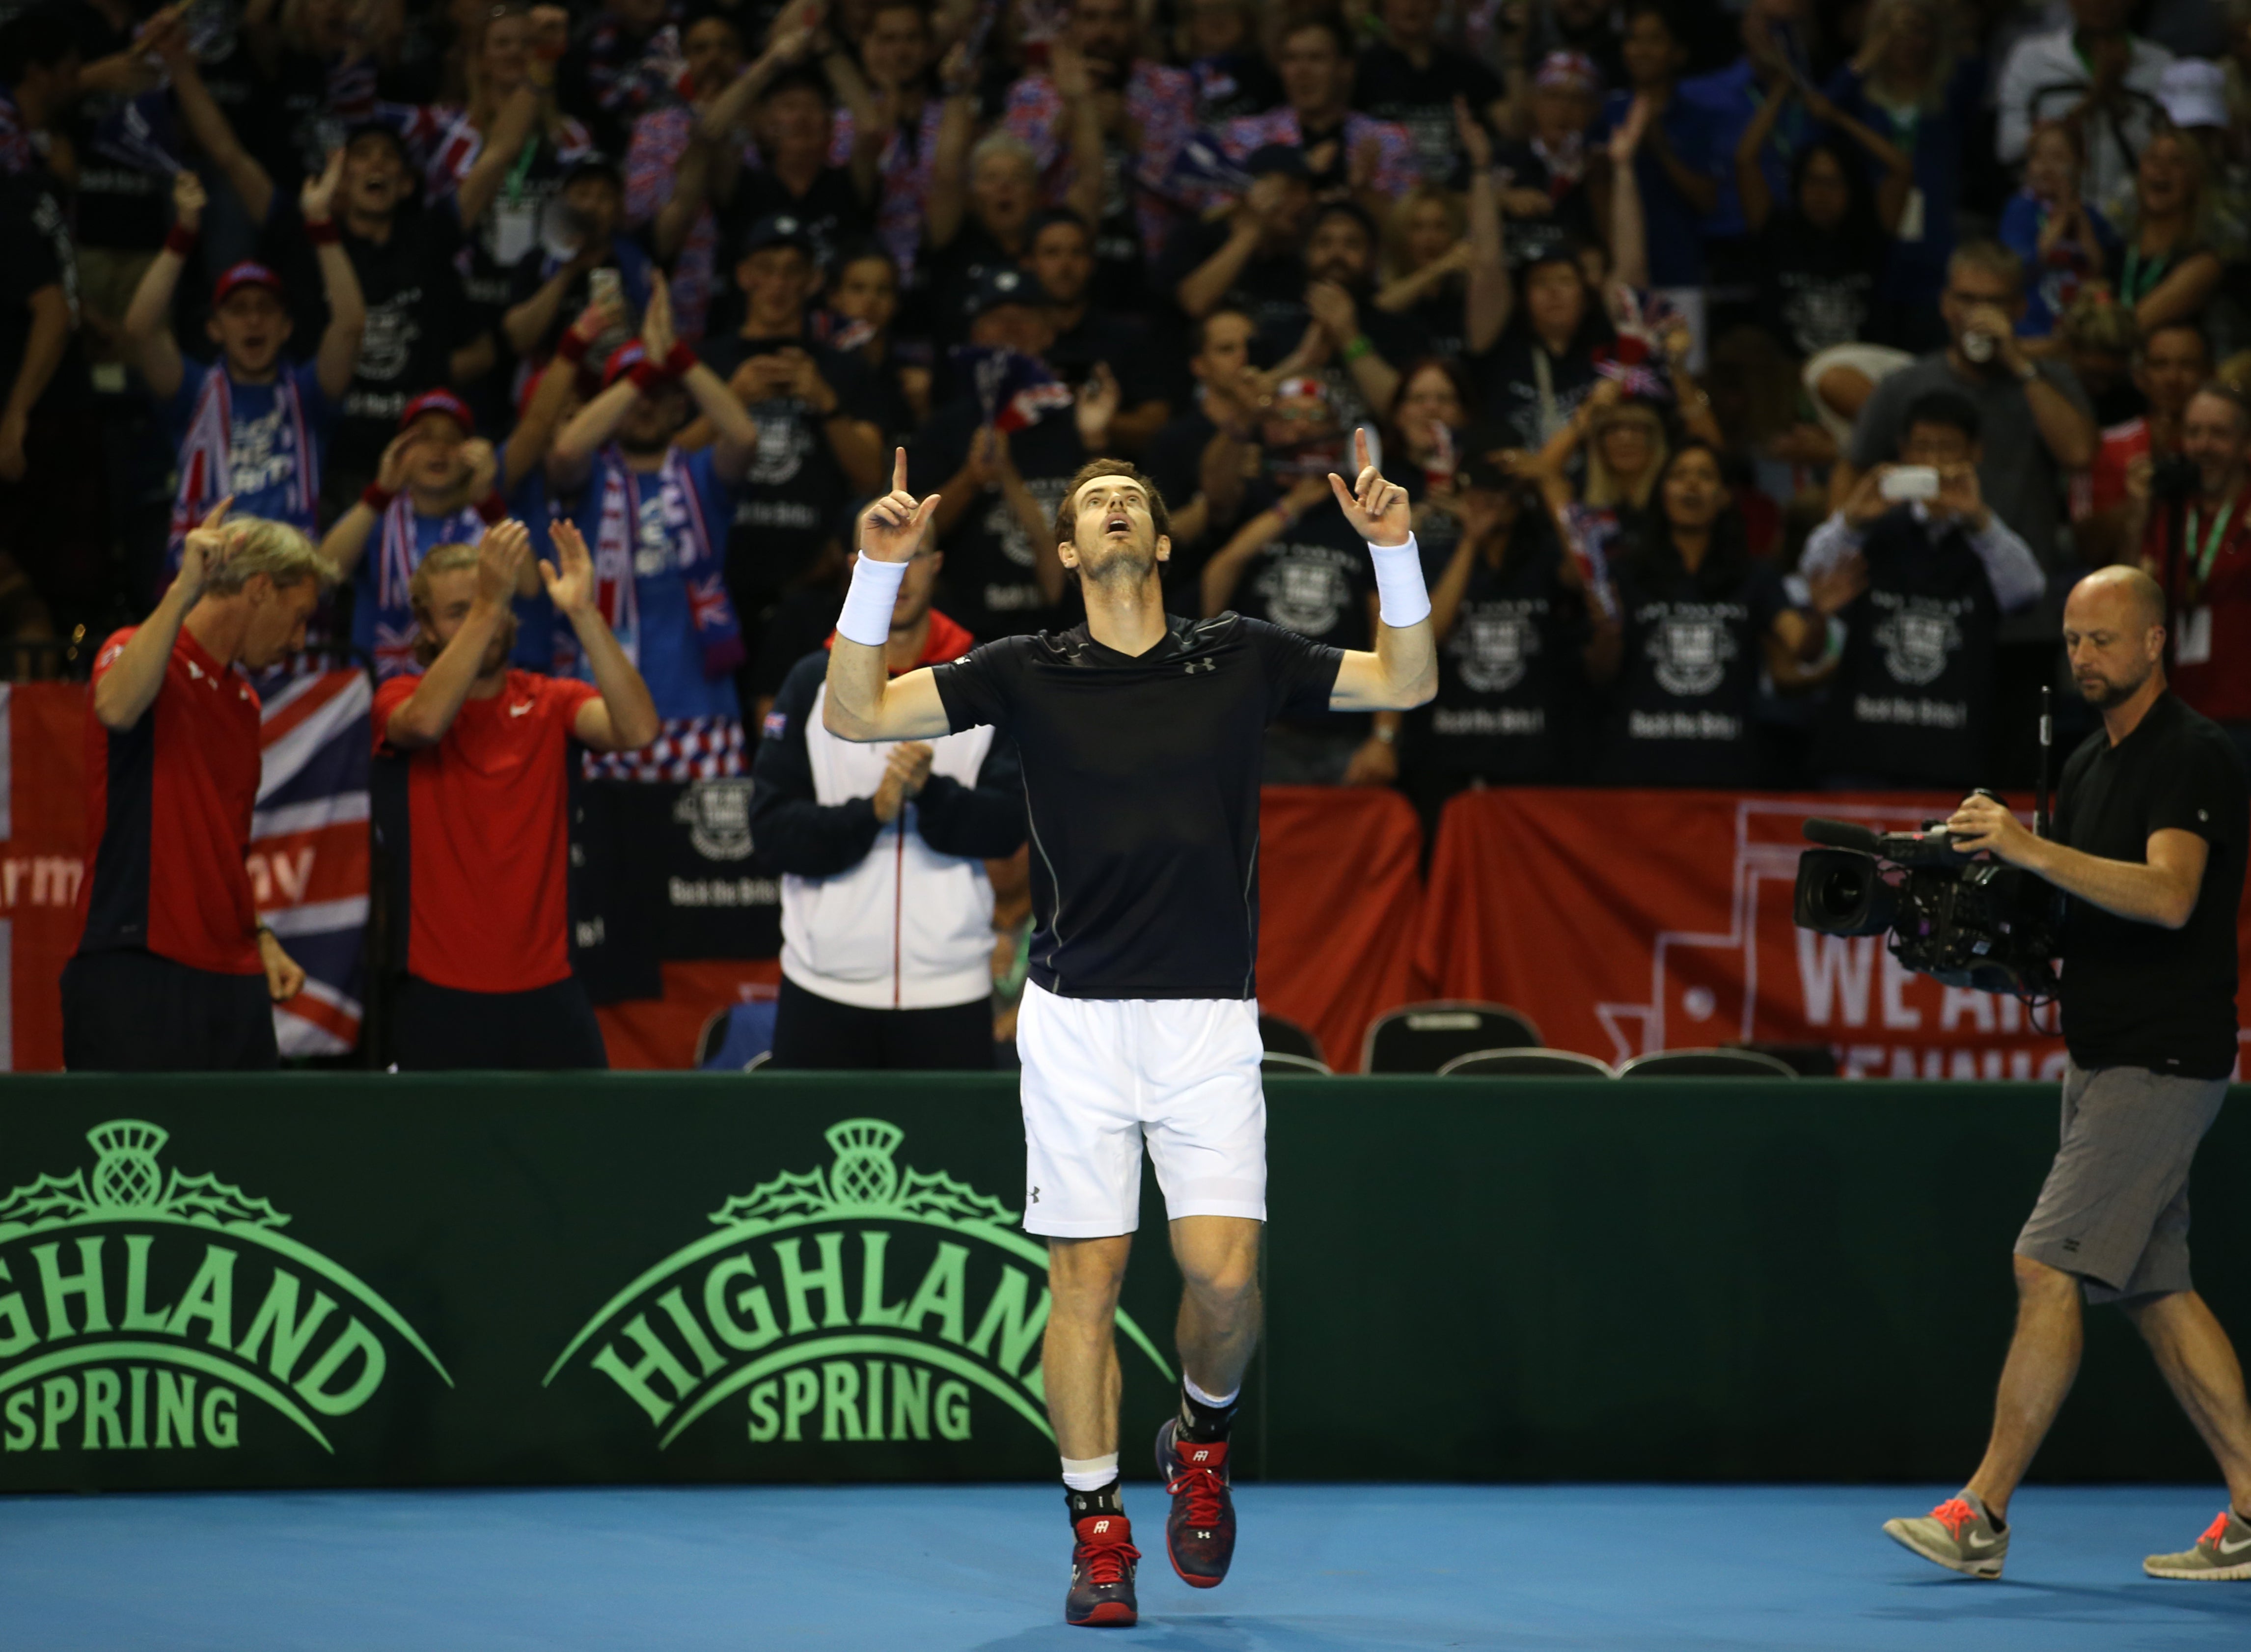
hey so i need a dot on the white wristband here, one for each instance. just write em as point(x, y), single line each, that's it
point(867, 605)
point(1403, 599)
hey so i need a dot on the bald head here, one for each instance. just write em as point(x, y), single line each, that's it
point(2114, 629)
point(2123, 597)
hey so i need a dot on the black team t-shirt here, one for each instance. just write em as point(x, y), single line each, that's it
point(990, 582)
point(2135, 995)
point(1680, 708)
point(1313, 577)
point(1913, 699)
point(1390, 87)
point(1508, 669)
point(794, 492)
point(415, 317)
point(1141, 774)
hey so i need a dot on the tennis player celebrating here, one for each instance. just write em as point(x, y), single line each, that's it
point(1140, 734)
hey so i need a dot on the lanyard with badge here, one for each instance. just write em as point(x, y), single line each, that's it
point(2194, 646)
point(516, 220)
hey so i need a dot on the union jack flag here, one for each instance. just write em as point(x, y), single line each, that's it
point(309, 852)
point(394, 650)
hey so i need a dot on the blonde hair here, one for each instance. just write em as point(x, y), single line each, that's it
point(444, 558)
point(2095, 320)
point(1944, 58)
point(284, 554)
point(1605, 489)
point(1399, 221)
point(2199, 182)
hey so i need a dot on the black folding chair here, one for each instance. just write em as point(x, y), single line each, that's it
point(1423, 1038)
point(1281, 1061)
point(1281, 1035)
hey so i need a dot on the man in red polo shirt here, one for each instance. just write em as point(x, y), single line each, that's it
point(2199, 548)
point(479, 832)
point(173, 971)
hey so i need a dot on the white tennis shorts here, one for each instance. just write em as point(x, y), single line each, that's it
point(1100, 1074)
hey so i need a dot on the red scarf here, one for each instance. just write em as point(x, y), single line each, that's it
point(946, 640)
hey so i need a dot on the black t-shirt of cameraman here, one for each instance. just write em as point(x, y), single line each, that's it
point(2151, 824)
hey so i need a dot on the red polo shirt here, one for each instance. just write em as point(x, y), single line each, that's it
point(2211, 643)
point(487, 853)
point(168, 803)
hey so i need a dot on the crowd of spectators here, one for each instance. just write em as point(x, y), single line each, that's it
point(1764, 371)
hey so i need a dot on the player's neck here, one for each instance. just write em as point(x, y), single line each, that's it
point(1130, 620)
point(490, 684)
point(219, 623)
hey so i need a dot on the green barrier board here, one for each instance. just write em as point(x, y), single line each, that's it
point(349, 1280)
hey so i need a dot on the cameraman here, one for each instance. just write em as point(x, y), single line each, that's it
point(1930, 575)
point(2151, 825)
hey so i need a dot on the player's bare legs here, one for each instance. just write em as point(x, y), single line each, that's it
point(1220, 1309)
point(1079, 1361)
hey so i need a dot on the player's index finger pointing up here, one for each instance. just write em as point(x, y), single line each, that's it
point(899, 470)
point(1360, 445)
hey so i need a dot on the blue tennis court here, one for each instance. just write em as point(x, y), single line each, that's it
point(1322, 1569)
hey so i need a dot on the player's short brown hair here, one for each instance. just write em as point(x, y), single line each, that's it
point(1066, 520)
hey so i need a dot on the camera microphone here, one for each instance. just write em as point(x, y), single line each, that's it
point(1843, 833)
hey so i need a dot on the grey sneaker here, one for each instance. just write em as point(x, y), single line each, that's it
point(2221, 1555)
point(1958, 1535)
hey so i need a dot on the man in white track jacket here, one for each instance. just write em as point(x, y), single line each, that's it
point(886, 911)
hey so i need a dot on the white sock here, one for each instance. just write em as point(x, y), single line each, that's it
point(1218, 1402)
point(1089, 1474)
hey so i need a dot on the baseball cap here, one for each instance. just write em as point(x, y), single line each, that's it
point(1285, 159)
point(1567, 72)
point(247, 274)
point(622, 361)
point(779, 229)
point(2194, 93)
point(1001, 284)
point(442, 401)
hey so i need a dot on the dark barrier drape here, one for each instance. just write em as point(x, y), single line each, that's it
point(361, 1280)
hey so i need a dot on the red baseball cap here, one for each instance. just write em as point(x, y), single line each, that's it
point(623, 360)
point(440, 401)
point(245, 275)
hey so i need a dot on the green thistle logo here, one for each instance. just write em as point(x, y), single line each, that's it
point(127, 1181)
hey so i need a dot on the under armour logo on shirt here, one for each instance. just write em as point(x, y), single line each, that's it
point(1194, 666)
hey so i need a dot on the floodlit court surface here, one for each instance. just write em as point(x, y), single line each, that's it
point(932, 1569)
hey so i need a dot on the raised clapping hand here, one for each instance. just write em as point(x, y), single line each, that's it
point(572, 587)
point(893, 525)
point(479, 465)
point(188, 200)
point(318, 198)
point(1377, 509)
point(500, 553)
point(207, 548)
point(656, 334)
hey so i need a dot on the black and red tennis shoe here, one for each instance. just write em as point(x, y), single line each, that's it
point(1199, 1529)
point(1102, 1573)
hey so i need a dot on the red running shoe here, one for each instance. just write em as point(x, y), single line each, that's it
point(1102, 1574)
point(1200, 1531)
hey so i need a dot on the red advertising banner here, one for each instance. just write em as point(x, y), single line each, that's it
point(1629, 921)
point(42, 862)
point(1339, 889)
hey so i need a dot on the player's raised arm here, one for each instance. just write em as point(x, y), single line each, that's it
point(863, 702)
point(1403, 672)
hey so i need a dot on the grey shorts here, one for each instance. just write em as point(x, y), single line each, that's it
point(2115, 1208)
